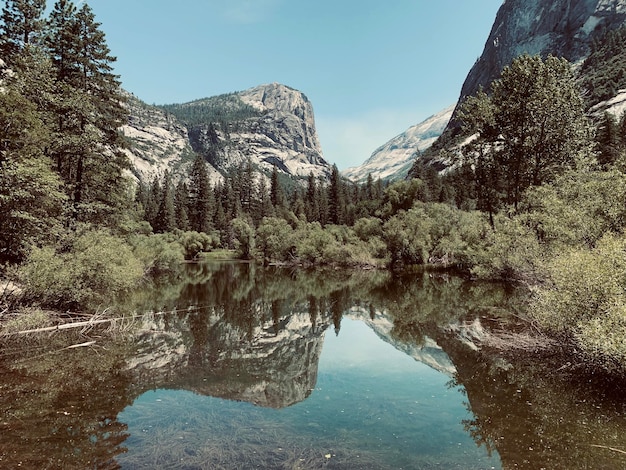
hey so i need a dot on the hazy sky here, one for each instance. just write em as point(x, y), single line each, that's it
point(371, 68)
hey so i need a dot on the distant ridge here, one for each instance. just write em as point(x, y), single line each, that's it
point(393, 160)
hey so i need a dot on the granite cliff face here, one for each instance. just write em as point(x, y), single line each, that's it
point(393, 160)
point(157, 142)
point(280, 131)
point(563, 28)
point(271, 125)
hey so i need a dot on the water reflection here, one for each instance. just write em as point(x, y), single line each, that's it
point(268, 341)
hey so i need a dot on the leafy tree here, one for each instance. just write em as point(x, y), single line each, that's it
point(195, 243)
point(530, 128)
point(401, 195)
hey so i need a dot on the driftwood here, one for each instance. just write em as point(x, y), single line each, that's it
point(609, 448)
point(67, 326)
point(91, 323)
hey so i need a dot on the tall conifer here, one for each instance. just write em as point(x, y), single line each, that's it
point(22, 24)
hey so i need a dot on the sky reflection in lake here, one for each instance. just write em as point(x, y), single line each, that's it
point(372, 407)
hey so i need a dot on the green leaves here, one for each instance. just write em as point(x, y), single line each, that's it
point(530, 129)
point(586, 298)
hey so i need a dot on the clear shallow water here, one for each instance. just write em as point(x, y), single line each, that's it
point(372, 407)
point(240, 367)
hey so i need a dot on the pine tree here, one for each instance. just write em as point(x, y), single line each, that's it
point(90, 112)
point(336, 199)
point(165, 220)
point(230, 199)
point(22, 24)
point(322, 197)
point(608, 138)
point(312, 208)
point(277, 194)
point(153, 201)
point(369, 187)
point(248, 188)
point(221, 222)
point(201, 199)
point(265, 208)
point(181, 201)
point(31, 197)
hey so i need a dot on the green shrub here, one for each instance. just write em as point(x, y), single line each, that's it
point(274, 237)
point(194, 243)
point(368, 227)
point(407, 236)
point(603, 339)
point(26, 319)
point(578, 209)
point(159, 253)
point(244, 238)
point(510, 252)
point(310, 241)
point(96, 267)
point(585, 298)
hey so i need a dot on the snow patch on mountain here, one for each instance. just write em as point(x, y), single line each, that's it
point(393, 160)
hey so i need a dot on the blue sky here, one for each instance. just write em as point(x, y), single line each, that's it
point(371, 68)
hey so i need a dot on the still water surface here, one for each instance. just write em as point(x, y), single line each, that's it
point(372, 407)
point(255, 368)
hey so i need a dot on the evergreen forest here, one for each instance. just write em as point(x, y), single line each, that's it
point(536, 196)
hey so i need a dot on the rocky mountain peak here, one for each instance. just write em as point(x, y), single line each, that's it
point(292, 111)
point(270, 125)
point(277, 97)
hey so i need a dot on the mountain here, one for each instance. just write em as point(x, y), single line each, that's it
point(271, 125)
point(393, 160)
point(563, 28)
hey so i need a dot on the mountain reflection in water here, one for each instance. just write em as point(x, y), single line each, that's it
point(155, 397)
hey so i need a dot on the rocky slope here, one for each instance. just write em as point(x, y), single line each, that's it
point(393, 160)
point(157, 142)
point(564, 28)
point(272, 125)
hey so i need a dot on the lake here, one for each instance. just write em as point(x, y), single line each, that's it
point(235, 366)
